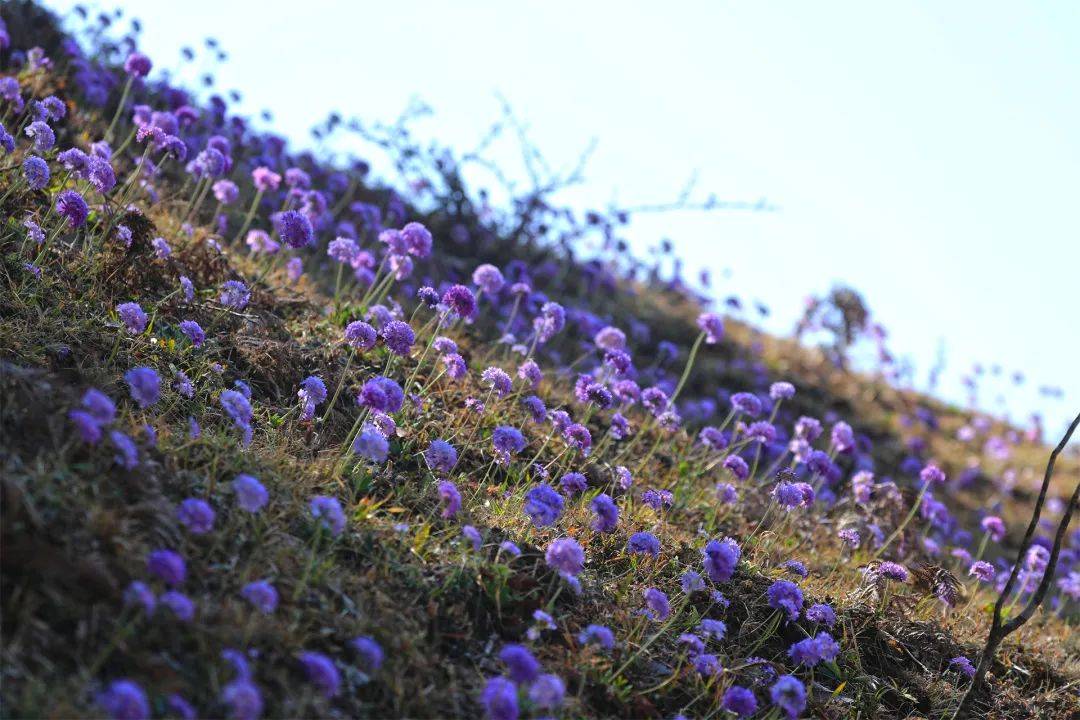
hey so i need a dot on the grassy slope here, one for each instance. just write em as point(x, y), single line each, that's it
point(76, 528)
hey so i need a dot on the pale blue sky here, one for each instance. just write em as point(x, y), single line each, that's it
point(925, 152)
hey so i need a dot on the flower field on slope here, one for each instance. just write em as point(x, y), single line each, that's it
point(280, 440)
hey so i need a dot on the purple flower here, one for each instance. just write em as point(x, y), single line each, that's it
point(144, 385)
point(521, 666)
point(535, 407)
point(707, 665)
point(573, 483)
point(510, 548)
point(691, 582)
point(294, 228)
point(226, 191)
point(321, 672)
point(507, 441)
point(597, 635)
point(500, 699)
point(740, 701)
point(808, 428)
point(498, 380)
point(161, 248)
point(371, 444)
point(137, 65)
point(127, 454)
point(785, 596)
point(167, 565)
point(124, 700)
point(265, 179)
point(250, 493)
point(235, 294)
point(547, 692)
point(99, 406)
point(489, 279)
point(644, 543)
point(193, 331)
point(566, 556)
point(551, 321)
point(182, 708)
point(243, 699)
point(982, 570)
point(712, 326)
point(455, 366)
point(312, 392)
point(932, 474)
point(101, 175)
point(36, 172)
point(789, 694)
point(139, 594)
point(180, 605)
point(746, 403)
point(441, 457)
point(399, 337)
point(726, 493)
point(473, 536)
point(578, 437)
point(736, 466)
point(451, 498)
point(822, 614)
point(238, 408)
point(892, 571)
point(260, 242)
point(781, 391)
point(43, 135)
point(811, 651)
point(381, 394)
point(370, 654)
point(187, 288)
point(360, 335)
point(995, 526)
point(417, 239)
point(795, 567)
point(607, 513)
point(262, 595)
point(196, 515)
point(70, 205)
point(657, 606)
point(610, 338)
point(842, 437)
point(543, 505)
point(327, 512)
point(461, 301)
point(657, 499)
point(721, 558)
point(962, 664)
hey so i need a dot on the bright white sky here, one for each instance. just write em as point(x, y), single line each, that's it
point(927, 153)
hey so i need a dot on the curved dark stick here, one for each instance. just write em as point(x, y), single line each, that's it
point(999, 632)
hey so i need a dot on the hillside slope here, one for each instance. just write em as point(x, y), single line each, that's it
point(504, 446)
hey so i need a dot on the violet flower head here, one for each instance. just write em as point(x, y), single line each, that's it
point(239, 410)
point(597, 635)
point(101, 175)
point(127, 453)
point(712, 325)
point(610, 338)
point(643, 543)
point(892, 571)
point(294, 228)
point(144, 385)
point(488, 278)
point(417, 239)
point(328, 514)
point(371, 444)
point(994, 526)
point(982, 570)
point(167, 565)
point(963, 665)
point(399, 337)
point(499, 699)
point(746, 403)
point(35, 172)
point(607, 513)
point(657, 606)
point(473, 536)
point(842, 437)
point(497, 380)
point(369, 654)
point(789, 694)
point(451, 498)
point(193, 331)
point(507, 441)
point(531, 373)
point(441, 457)
point(321, 672)
point(721, 558)
point(262, 595)
point(822, 614)
point(578, 437)
point(932, 475)
point(811, 651)
point(521, 666)
point(43, 136)
point(573, 483)
point(251, 496)
point(243, 699)
point(235, 294)
point(133, 317)
point(360, 335)
point(124, 700)
point(265, 179)
point(139, 594)
point(461, 301)
point(786, 596)
point(71, 206)
point(260, 242)
point(543, 505)
point(381, 394)
point(535, 407)
point(196, 515)
point(179, 604)
point(739, 701)
point(566, 556)
point(312, 393)
point(547, 692)
point(137, 65)
point(226, 191)
point(736, 466)
point(781, 391)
